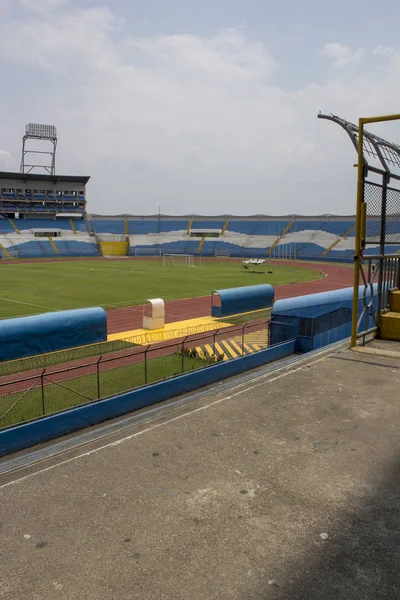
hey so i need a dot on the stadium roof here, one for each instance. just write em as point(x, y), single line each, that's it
point(156, 217)
point(44, 177)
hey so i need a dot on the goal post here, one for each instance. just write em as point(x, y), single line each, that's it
point(176, 260)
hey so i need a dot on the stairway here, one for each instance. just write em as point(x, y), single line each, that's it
point(225, 227)
point(390, 321)
point(200, 246)
point(339, 239)
point(6, 252)
point(236, 346)
point(53, 245)
point(72, 225)
point(13, 225)
point(227, 349)
point(278, 239)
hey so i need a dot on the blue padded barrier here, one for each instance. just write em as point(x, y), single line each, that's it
point(317, 320)
point(234, 301)
point(49, 332)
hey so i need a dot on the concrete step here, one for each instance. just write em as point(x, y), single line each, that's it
point(390, 326)
point(395, 301)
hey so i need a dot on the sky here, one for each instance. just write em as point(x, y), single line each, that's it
point(203, 107)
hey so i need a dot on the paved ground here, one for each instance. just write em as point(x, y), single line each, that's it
point(285, 487)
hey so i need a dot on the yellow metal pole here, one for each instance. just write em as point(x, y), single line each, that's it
point(381, 119)
point(357, 255)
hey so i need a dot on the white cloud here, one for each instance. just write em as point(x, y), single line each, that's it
point(43, 7)
point(79, 40)
point(384, 51)
point(196, 124)
point(342, 56)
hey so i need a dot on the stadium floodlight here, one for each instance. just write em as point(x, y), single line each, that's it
point(45, 133)
point(39, 130)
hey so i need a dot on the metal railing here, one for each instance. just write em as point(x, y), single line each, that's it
point(379, 274)
point(47, 390)
point(377, 215)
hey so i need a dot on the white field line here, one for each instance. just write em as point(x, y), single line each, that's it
point(28, 303)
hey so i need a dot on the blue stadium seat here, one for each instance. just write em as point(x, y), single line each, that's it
point(5, 226)
point(205, 224)
point(165, 226)
point(142, 227)
point(113, 226)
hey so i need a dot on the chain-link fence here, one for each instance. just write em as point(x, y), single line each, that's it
point(382, 214)
point(373, 201)
point(47, 390)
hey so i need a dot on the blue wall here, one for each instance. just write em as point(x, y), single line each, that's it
point(317, 320)
point(49, 332)
point(24, 436)
point(235, 301)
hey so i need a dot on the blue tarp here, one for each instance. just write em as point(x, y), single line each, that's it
point(49, 332)
point(235, 301)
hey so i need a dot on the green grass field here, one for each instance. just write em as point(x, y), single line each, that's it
point(31, 288)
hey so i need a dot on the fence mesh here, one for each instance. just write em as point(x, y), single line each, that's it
point(44, 391)
point(393, 216)
point(373, 200)
point(373, 196)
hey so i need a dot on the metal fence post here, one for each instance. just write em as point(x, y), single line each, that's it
point(145, 365)
point(214, 336)
point(42, 386)
point(183, 354)
point(397, 276)
point(98, 377)
point(243, 339)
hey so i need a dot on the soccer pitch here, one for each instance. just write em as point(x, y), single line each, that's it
point(36, 287)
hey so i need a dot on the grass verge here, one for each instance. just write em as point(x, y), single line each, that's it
point(60, 394)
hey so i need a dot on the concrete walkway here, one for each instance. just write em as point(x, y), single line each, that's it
point(286, 487)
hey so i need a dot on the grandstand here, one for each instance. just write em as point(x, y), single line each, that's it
point(44, 215)
point(323, 237)
point(62, 227)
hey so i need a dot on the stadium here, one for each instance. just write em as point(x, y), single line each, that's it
point(109, 303)
point(114, 326)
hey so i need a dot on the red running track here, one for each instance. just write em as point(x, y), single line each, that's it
point(128, 318)
point(124, 319)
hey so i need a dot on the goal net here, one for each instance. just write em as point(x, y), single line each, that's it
point(176, 260)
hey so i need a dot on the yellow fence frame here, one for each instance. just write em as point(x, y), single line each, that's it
point(361, 216)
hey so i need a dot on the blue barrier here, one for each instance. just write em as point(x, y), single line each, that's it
point(234, 301)
point(49, 332)
point(317, 320)
point(42, 430)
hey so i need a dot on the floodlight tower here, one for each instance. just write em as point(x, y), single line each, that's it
point(38, 131)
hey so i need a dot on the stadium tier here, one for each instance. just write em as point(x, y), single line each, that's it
point(296, 237)
point(23, 194)
point(45, 216)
